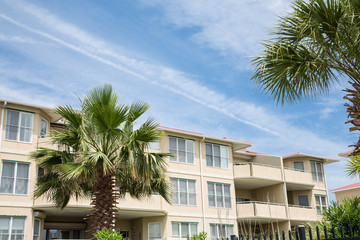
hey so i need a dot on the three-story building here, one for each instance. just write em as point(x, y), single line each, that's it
point(217, 186)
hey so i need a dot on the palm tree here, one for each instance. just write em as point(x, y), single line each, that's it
point(102, 155)
point(314, 46)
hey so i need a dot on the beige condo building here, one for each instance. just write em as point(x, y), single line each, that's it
point(218, 187)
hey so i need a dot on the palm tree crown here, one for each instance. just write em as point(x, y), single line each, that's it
point(102, 154)
point(313, 46)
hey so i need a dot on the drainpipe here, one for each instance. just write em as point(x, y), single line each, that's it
point(2, 123)
point(202, 184)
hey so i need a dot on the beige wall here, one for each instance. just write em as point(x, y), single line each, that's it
point(347, 194)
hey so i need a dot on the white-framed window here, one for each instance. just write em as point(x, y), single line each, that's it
point(154, 145)
point(219, 195)
point(37, 227)
point(183, 149)
point(183, 191)
point(217, 155)
point(219, 231)
point(14, 177)
point(317, 171)
point(321, 203)
point(183, 229)
point(154, 230)
point(12, 228)
point(19, 126)
point(43, 128)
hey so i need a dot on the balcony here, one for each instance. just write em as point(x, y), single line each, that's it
point(260, 210)
point(302, 213)
point(256, 175)
point(298, 180)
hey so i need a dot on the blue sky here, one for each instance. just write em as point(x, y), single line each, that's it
point(189, 59)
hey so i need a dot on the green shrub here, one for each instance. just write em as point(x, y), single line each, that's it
point(200, 236)
point(106, 234)
point(342, 214)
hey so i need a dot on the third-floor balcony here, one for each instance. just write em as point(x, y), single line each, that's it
point(251, 175)
point(298, 179)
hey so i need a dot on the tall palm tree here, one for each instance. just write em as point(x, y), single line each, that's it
point(103, 154)
point(315, 45)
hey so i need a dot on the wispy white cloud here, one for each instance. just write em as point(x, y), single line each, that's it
point(231, 27)
point(76, 39)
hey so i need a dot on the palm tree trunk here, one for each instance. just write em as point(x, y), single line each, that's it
point(104, 202)
point(353, 109)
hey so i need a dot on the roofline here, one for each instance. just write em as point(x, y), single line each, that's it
point(343, 189)
point(234, 142)
point(346, 153)
point(47, 110)
point(25, 104)
point(327, 160)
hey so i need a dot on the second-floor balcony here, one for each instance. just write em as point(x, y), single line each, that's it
point(302, 213)
point(254, 175)
point(261, 210)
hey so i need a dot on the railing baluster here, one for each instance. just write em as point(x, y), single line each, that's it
point(264, 236)
point(333, 231)
point(253, 236)
point(277, 235)
point(248, 237)
point(317, 233)
point(259, 237)
point(342, 231)
point(289, 234)
point(325, 232)
point(310, 234)
point(297, 234)
point(350, 229)
point(283, 235)
point(271, 236)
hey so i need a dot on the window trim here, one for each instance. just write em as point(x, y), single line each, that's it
point(15, 175)
point(307, 197)
point(223, 194)
point(303, 166)
point(47, 128)
point(177, 150)
point(217, 229)
point(316, 171)
point(18, 133)
point(213, 155)
point(187, 192)
point(37, 219)
point(149, 228)
point(179, 222)
point(321, 205)
point(11, 223)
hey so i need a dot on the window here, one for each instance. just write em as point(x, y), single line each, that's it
point(183, 191)
point(219, 231)
point(14, 177)
point(321, 204)
point(219, 195)
point(19, 126)
point(316, 171)
point(43, 128)
point(299, 166)
point(36, 233)
point(12, 228)
point(183, 229)
point(217, 156)
point(154, 230)
point(183, 149)
point(155, 145)
point(303, 200)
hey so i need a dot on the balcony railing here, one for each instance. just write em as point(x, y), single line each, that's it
point(255, 163)
point(258, 209)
